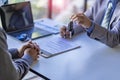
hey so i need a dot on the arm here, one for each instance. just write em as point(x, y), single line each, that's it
point(14, 53)
point(18, 53)
point(5, 60)
point(90, 13)
point(9, 69)
point(111, 36)
point(108, 37)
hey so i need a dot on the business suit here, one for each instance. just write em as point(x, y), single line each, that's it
point(110, 36)
point(9, 69)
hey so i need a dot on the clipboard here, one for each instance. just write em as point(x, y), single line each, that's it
point(56, 45)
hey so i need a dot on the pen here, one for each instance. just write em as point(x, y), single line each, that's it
point(70, 28)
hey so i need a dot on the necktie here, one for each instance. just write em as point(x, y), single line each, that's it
point(107, 16)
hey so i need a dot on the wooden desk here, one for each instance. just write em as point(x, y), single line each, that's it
point(93, 61)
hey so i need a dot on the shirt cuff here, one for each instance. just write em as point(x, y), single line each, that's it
point(28, 58)
point(90, 29)
point(14, 52)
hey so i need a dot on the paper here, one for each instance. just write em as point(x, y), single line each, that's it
point(55, 44)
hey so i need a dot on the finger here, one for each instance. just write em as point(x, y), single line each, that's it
point(67, 34)
point(81, 22)
point(63, 28)
point(39, 53)
point(30, 45)
point(81, 16)
point(30, 41)
point(79, 19)
point(36, 57)
point(37, 46)
point(63, 31)
point(63, 34)
point(73, 17)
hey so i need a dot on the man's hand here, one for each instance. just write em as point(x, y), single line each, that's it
point(24, 47)
point(64, 32)
point(81, 19)
point(33, 51)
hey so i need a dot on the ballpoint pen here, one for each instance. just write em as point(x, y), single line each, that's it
point(70, 28)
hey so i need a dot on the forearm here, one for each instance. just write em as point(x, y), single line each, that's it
point(23, 65)
point(89, 13)
point(11, 70)
point(7, 69)
point(14, 70)
point(108, 37)
point(14, 53)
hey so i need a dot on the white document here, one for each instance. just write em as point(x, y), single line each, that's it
point(55, 45)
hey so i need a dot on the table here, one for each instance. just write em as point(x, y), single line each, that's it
point(93, 61)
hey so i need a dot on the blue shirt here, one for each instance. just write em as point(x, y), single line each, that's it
point(90, 29)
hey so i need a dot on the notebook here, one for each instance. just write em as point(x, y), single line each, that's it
point(17, 21)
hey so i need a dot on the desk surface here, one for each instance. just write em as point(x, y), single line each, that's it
point(93, 61)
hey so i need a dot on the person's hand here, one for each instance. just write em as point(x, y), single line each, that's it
point(81, 19)
point(24, 47)
point(33, 51)
point(64, 32)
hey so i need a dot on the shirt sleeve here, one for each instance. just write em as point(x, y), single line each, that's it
point(14, 70)
point(90, 29)
point(14, 53)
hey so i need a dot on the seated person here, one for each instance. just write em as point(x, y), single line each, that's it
point(23, 59)
point(12, 68)
point(99, 24)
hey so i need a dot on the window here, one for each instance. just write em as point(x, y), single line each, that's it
point(39, 7)
point(61, 9)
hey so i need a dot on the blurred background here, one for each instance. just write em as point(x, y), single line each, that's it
point(59, 10)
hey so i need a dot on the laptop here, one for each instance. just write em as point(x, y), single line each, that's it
point(17, 21)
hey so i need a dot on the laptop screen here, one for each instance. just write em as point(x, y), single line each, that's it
point(16, 16)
